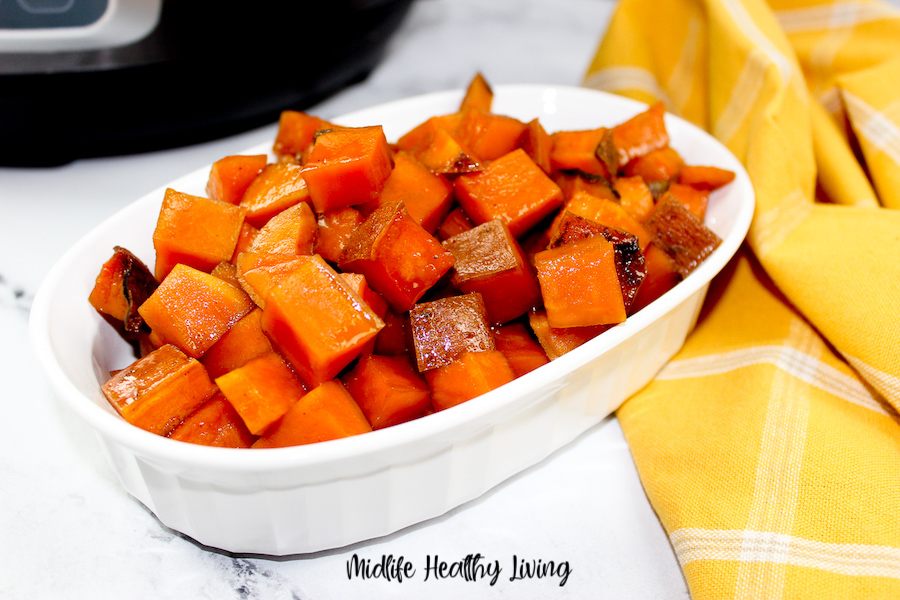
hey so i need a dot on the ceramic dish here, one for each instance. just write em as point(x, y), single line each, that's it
point(327, 495)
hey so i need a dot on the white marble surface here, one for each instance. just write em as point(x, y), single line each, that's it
point(68, 529)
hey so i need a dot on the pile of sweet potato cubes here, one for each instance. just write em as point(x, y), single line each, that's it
point(353, 284)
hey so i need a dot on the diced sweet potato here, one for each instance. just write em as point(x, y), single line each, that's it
point(444, 153)
point(580, 285)
point(245, 240)
point(478, 96)
point(444, 329)
point(192, 309)
point(237, 346)
point(388, 389)
point(521, 349)
point(605, 212)
point(422, 135)
point(577, 150)
point(695, 199)
point(400, 260)
point(258, 274)
point(279, 186)
point(427, 196)
point(230, 176)
point(681, 234)
point(261, 390)
point(123, 284)
point(537, 143)
point(641, 134)
point(629, 259)
point(296, 130)
point(215, 423)
point(662, 164)
point(347, 166)
point(456, 222)
point(572, 182)
point(635, 197)
point(489, 136)
point(290, 233)
point(513, 189)
point(704, 177)
point(317, 322)
point(327, 412)
point(661, 277)
point(488, 260)
point(196, 231)
point(469, 375)
point(159, 391)
point(227, 272)
point(334, 230)
point(557, 341)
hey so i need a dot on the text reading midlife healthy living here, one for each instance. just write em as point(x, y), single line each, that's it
point(474, 567)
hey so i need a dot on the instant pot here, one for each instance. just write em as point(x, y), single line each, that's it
point(82, 78)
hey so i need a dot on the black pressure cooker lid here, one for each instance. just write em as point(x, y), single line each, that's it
point(208, 69)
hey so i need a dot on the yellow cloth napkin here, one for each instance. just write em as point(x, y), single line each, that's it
point(770, 445)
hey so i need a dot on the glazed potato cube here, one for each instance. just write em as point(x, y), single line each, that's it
point(388, 389)
point(488, 260)
point(192, 309)
point(215, 423)
point(400, 260)
point(333, 231)
point(229, 177)
point(158, 391)
point(278, 186)
point(679, 232)
point(469, 375)
point(237, 346)
point(513, 189)
point(556, 341)
point(195, 231)
point(316, 321)
point(446, 328)
point(523, 352)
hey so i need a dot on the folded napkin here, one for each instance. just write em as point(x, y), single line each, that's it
point(770, 445)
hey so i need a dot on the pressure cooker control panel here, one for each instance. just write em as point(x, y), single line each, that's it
point(37, 26)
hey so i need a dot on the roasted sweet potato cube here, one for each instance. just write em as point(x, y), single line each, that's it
point(196, 231)
point(227, 272)
point(456, 222)
point(290, 233)
point(521, 349)
point(237, 346)
point(468, 376)
point(572, 182)
point(577, 150)
point(605, 212)
point(257, 274)
point(635, 197)
point(261, 390)
point(537, 143)
point(334, 230)
point(388, 389)
point(229, 177)
point(641, 134)
point(681, 234)
point(557, 341)
point(296, 131)
point(513, 189)
point(316, 321)
point(427, 196)
point(347, 166)
point(695, 199)
point(479, 95)
point(488, 260)
point(279, 186)
point(245, 240)
point(662, 164)
point(705, 178)
point(123, 284)
point(580, 285)
point(215, 423)
point(443, 329)
point(358, 284)
point(629, 259)
point(192, 309)
point(395, 337)
point(443, 152)
point(489, 136)
point(400, 260)
point(158, 391)
point(421, 135)
point(327, 412)
point(661, 277)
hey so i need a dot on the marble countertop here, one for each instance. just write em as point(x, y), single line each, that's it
point(69, 530)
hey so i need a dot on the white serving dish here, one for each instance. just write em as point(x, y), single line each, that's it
point(327, 495)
